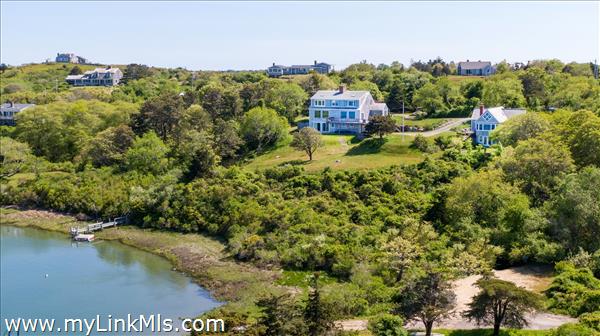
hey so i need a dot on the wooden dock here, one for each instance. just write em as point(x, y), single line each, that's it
point(90, 228)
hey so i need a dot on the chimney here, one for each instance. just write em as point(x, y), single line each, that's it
point(11, 104)
point(315, 62)
point(342, 88)
point(273, 63)
point(481, 109)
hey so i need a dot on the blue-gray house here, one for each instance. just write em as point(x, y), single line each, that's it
point(280, 70)
point(478, 68)
point(484, 120)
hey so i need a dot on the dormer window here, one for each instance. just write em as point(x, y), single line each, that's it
point(319, 102)
point(487, 117)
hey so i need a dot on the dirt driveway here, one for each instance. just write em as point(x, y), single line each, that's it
point(534, 278)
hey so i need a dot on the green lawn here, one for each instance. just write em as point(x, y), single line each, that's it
point(427, 124)
point(342, 152)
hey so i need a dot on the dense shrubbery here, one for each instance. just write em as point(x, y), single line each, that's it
point(168, 149)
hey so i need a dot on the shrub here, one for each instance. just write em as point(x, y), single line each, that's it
point(387, 325)
point(573, 329)
point(12, 88)
point(591, 320)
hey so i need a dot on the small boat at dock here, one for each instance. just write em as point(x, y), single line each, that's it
point(82, 237)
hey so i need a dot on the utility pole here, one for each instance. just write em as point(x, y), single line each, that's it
point(596, 68)
point(402, 120)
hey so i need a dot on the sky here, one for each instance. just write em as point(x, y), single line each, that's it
point(254, 34)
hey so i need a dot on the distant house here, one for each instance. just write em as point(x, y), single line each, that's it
point(70, 58)
point(478, 68)
point(484, 120)
point(9, 110)
point(97, 77)
point(280, 70)
point(343, 111)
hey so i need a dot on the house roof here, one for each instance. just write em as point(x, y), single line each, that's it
point(378, 107)
point(336, 94)
point(499, 113)
point(473, 65)
point(8, 107)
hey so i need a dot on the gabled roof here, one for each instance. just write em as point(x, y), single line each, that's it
point(499, 113)
point(378, 107)
point(336, 94)
point(473, 65)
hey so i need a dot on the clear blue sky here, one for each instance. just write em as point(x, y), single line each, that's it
point(252, 35)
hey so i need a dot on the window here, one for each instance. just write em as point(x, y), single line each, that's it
point(325, 127)
point(318, 127)
point(343, 115)
point(351, 103)
point(334, 103)
point(319, 102)
point(352, 115)
point(487, 127)
point(325, 114)
point(317, 114)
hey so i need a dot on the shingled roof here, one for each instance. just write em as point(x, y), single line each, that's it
point(473, 65)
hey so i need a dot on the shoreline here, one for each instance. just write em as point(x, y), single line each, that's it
point(201, 258)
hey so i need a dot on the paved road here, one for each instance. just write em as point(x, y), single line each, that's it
point(440, 130)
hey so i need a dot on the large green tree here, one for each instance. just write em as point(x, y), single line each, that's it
point(574, 211)
point(161, 114)
point(262, 127)
point(308, 140)
point(380, 126)
point(502, 303)
point(537, 167)
point(429, 299)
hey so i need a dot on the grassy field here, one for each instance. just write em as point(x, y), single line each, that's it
point(342, 152)
point(427, 124)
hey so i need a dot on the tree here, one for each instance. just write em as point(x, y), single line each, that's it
point(428, 97)
point(573, 211)
point(221, 102)
point(161, 114)
point(429, 299)
point(227, 139)
point(76, 70)
point(148, 154)
point(308, 140)
point(136, 71)
point(14, 156)
point(195, 151)
point(279, 316)
point(288, 99)
point(317, 316)
point(506, 92)
point(380, 125)
point(501, 303)
point(400, 254)
point(3, 67)
point(109, 146)
point(262, 127)
point(521, 127)
point(537, 166)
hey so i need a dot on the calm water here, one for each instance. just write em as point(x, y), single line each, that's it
point(85, 279)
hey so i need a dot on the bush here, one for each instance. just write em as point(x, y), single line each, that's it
point(387, 325)
point(591, 320)
point(423, 144)
point(12, 88)
point(573, 329)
